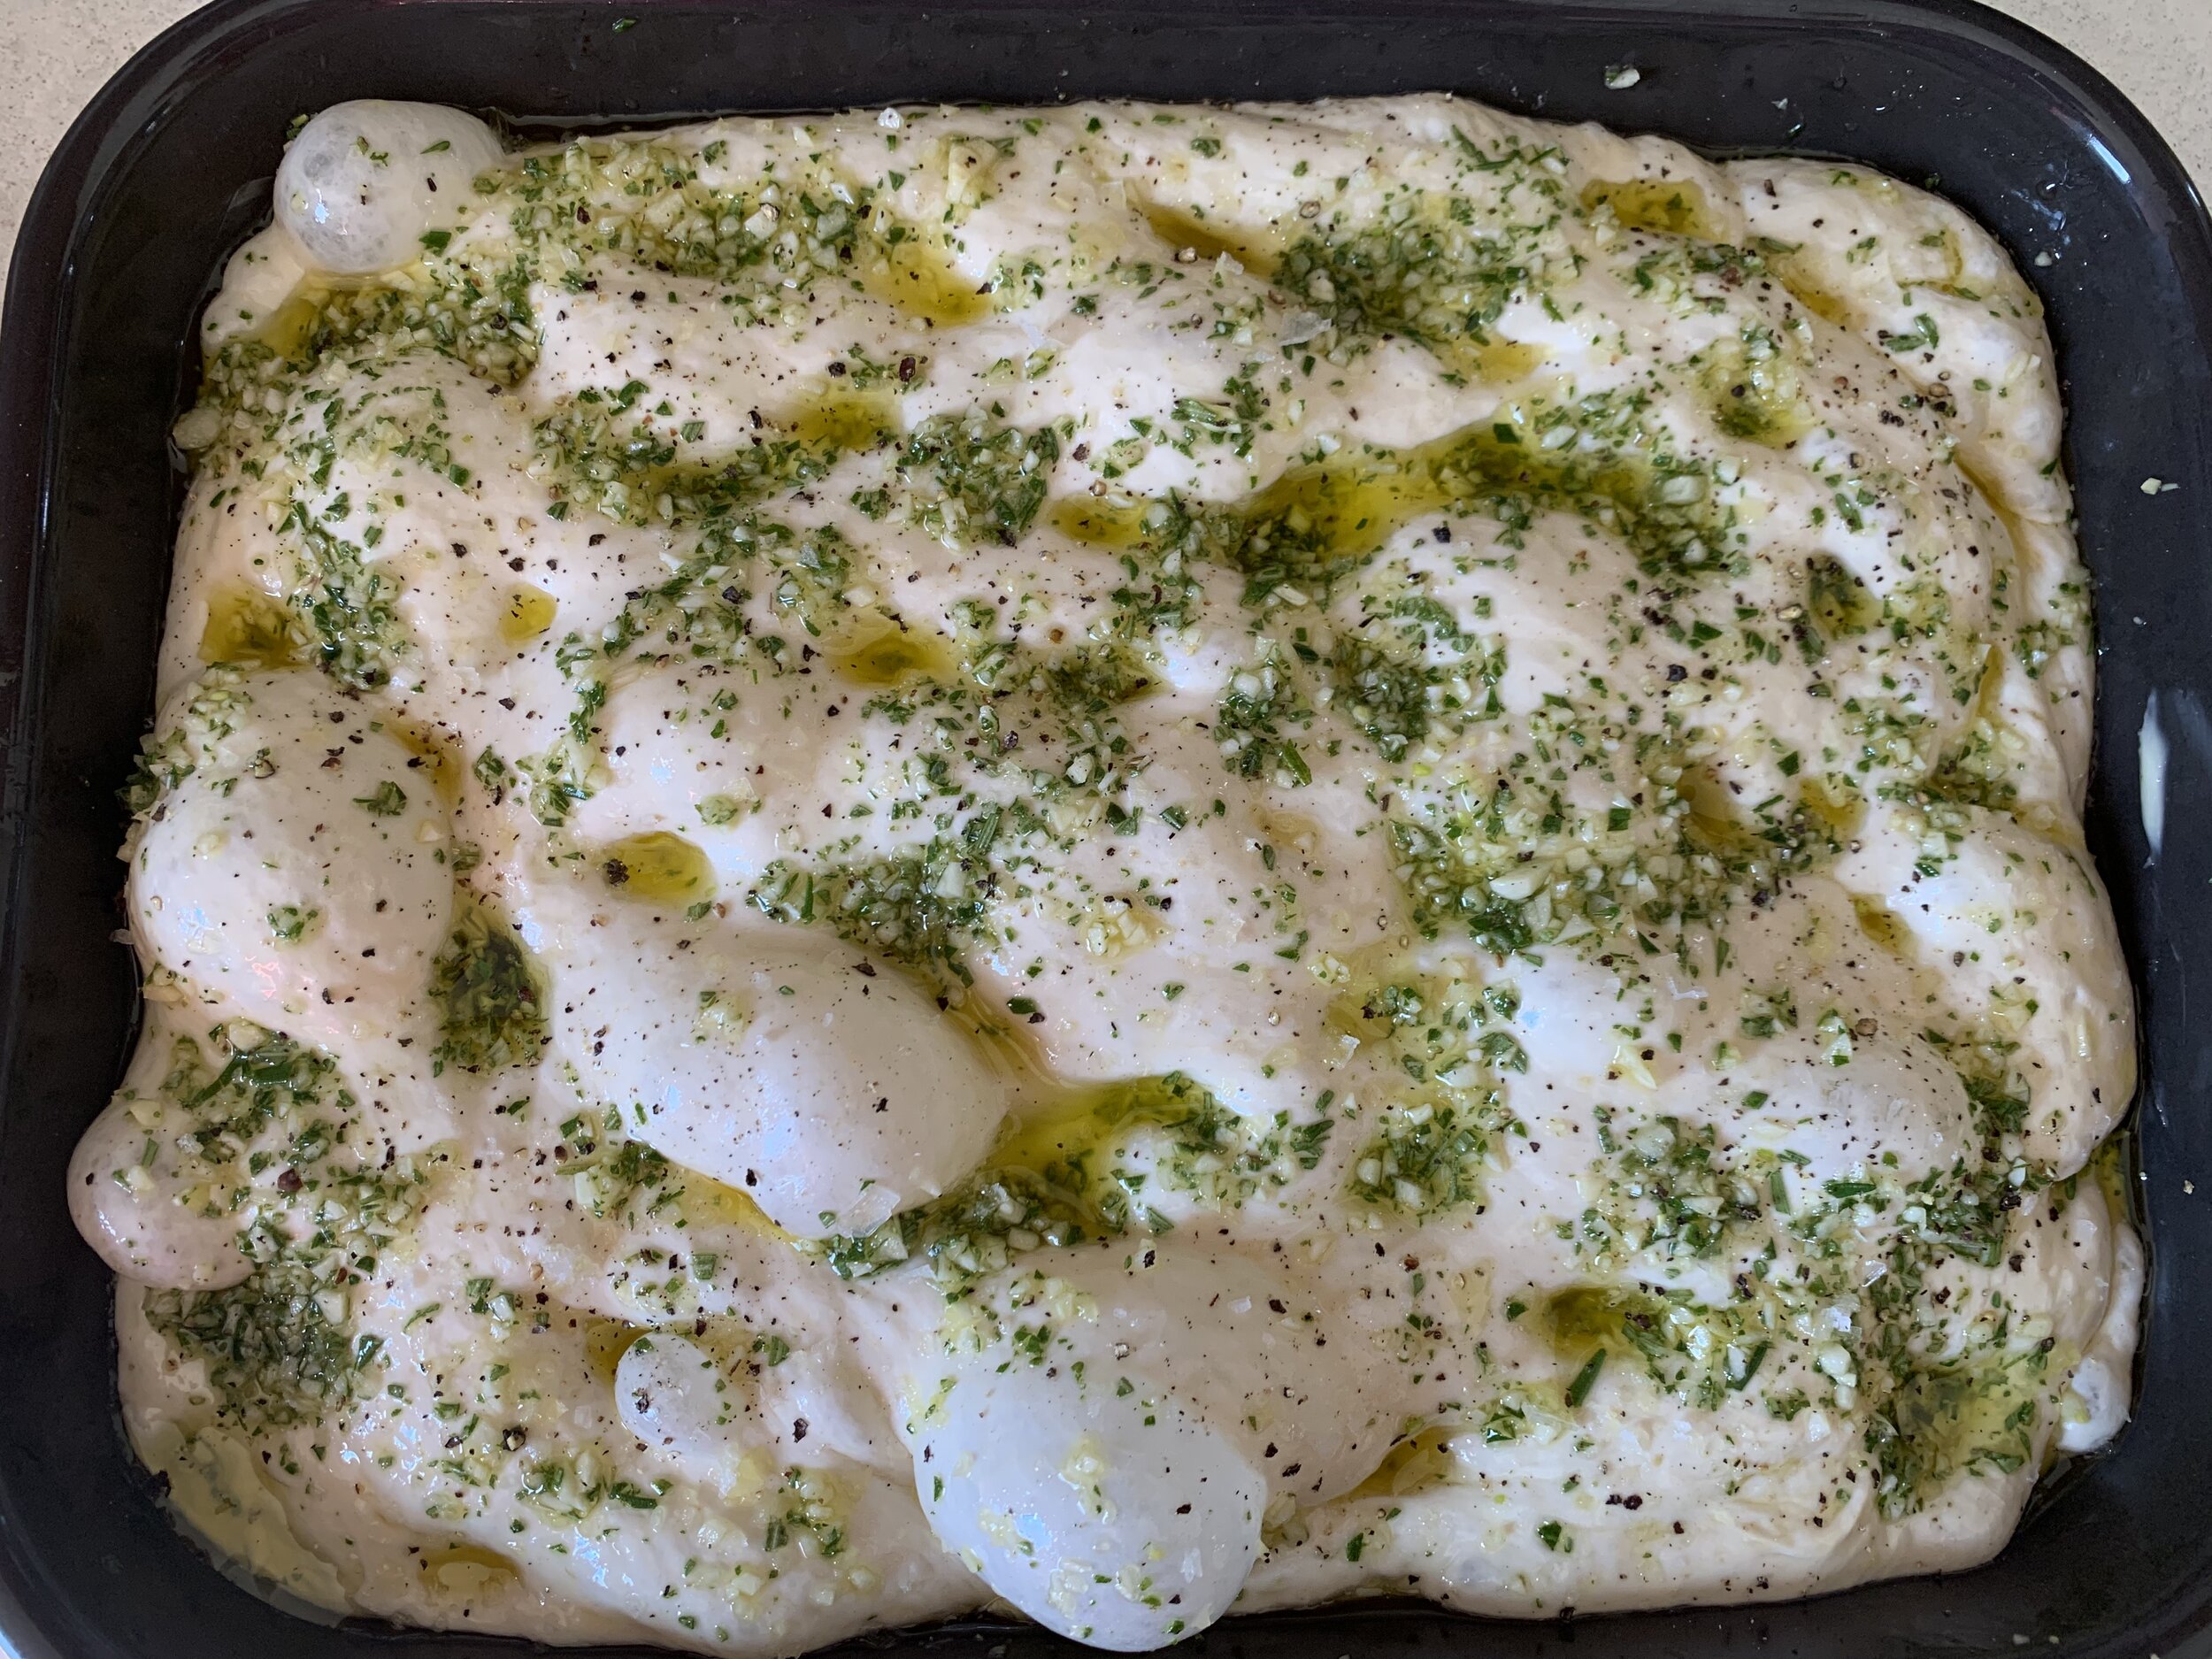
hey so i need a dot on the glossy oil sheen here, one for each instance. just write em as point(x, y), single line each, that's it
point(169, 168)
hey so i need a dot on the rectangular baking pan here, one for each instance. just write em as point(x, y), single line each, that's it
point(169, 167)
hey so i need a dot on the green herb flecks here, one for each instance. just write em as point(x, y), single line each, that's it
point(971, 479)
point(489, 995)
point(274, 1355)
point(923, 908)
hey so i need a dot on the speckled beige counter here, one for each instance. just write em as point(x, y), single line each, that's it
point(2159, 51)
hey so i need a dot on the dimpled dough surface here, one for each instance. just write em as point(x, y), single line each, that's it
point(1131, 863)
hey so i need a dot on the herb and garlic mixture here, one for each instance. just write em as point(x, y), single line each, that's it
point(1117, 862)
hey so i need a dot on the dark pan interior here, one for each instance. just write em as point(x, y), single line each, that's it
point(169, 166)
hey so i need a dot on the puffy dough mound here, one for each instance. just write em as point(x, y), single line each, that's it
point(1112, 1483)
point(1115, 1517)
point(297, 874)
point(829, 1090)
point(128, 1179)
point(2024, 921)
point(365, 181)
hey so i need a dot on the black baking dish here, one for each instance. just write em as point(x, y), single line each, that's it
point(170, 165)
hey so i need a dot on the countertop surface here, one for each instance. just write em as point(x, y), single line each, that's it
point(2158, 52)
